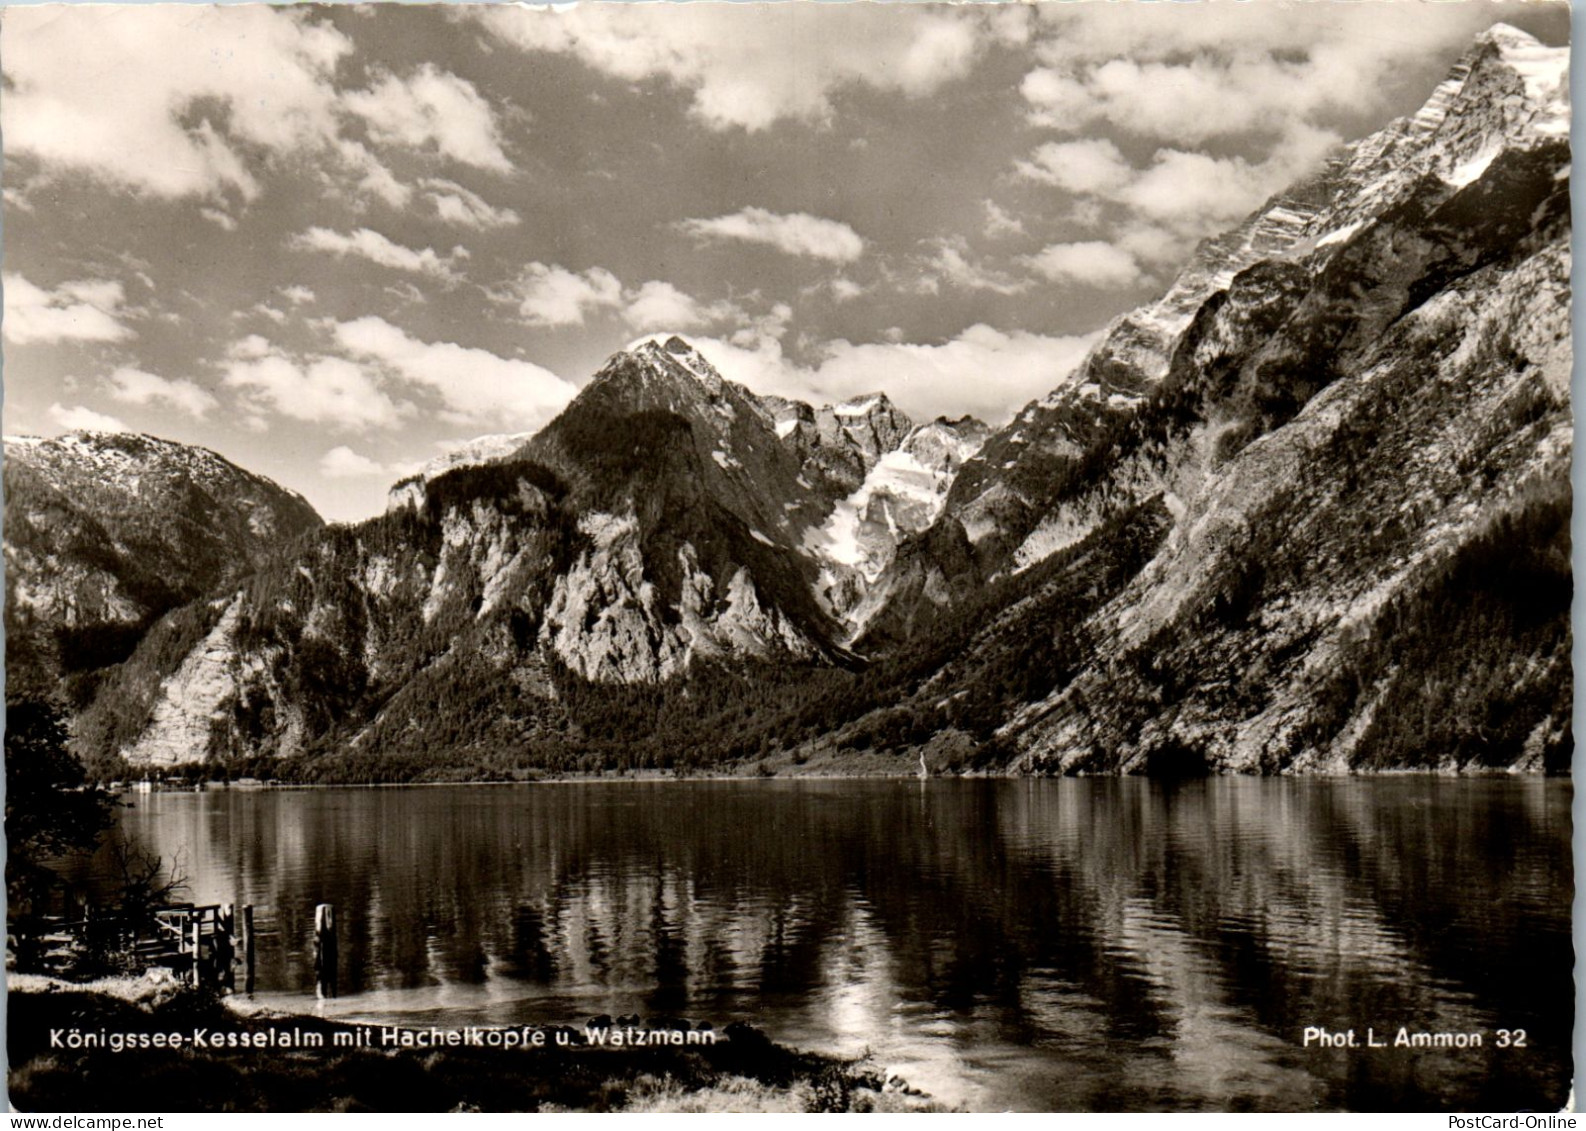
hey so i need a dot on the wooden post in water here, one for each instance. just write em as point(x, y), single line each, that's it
point(247, 947)
point(325, 950)
point(225, 951)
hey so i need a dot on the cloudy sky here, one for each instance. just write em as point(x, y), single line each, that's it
point(326, 242)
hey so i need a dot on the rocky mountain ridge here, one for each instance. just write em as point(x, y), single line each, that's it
point(841, 485)
point(659, 522)
point(105, 532)
point(1507, 95)
point(409, 490)
point(1350, 413)
point(1307, 512)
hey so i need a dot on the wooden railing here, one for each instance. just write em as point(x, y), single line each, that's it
point(202, 943)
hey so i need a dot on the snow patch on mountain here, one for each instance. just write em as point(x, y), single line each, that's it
point(902, 494)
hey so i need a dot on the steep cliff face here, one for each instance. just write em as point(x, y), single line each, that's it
point(314, 647)
point(624, 543)
point(1307, 512)
point(1384, 579)
point(902, 495)
point(104, 532)
point(1506, 97)
point(1360, 439)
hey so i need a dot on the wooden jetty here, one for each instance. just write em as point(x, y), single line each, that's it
point(203, 944)
point(198, 942)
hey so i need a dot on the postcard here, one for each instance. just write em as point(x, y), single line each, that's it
point(788, 557)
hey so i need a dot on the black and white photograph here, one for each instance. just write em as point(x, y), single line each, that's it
point(788, 557)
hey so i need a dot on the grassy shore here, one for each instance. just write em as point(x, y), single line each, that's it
point(300, 1068)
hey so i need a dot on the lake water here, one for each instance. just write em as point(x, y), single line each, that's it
point(1028, 944)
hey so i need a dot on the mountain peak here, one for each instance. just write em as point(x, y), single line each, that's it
point(1543, 69)
point(1507, 35)
point(109, 458)
point(863, 405)
point(673, 345)
point(1508, 90)
point(670, 353)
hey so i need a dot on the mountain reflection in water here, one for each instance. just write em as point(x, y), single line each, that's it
point(1032, 944)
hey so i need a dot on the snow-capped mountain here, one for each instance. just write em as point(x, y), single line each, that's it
point(1506, 98)
point(658, 523)
point(104, 532)
point(409, 491)
point(1308, 511)
point(902, 494)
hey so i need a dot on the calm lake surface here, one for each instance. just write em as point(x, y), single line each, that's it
point(1035, 945)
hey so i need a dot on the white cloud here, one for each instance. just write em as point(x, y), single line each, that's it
point(80, 419)
point(371, 245)
point(1093, 165)
point(433, 107)
point(406, 292)
point(1187, 74)
point(839, 288)
point(845, 289)
point(751, 66)
point(136, 386)
point(1150, 243)
point(1158, 213)
point(341, 462)
point(344, 463)
point(951, 263)
point(457, 205)
point(1199, 191)
point(1000, 222)
point(983, 371)
point(16, 199)
point(320, 390)
point(373, 178)
point(1192, 101)
point(1243, 99)
point(297, 294)
point(1085, 212)
point(1056, 98)
point(85, 310)
point(218, 218)
point(771, 326)
point(250, 348)
point(1090, 263)
point(551, 295)
point(182, 101)
point(86, 97)
point(661, 306)
point(797, 233)
point(473, 385)
point(104, 294)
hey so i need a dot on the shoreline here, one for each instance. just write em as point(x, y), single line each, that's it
point(643, 778)
point(147, 1042)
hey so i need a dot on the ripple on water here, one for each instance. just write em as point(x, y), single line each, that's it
point(1040, 945)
